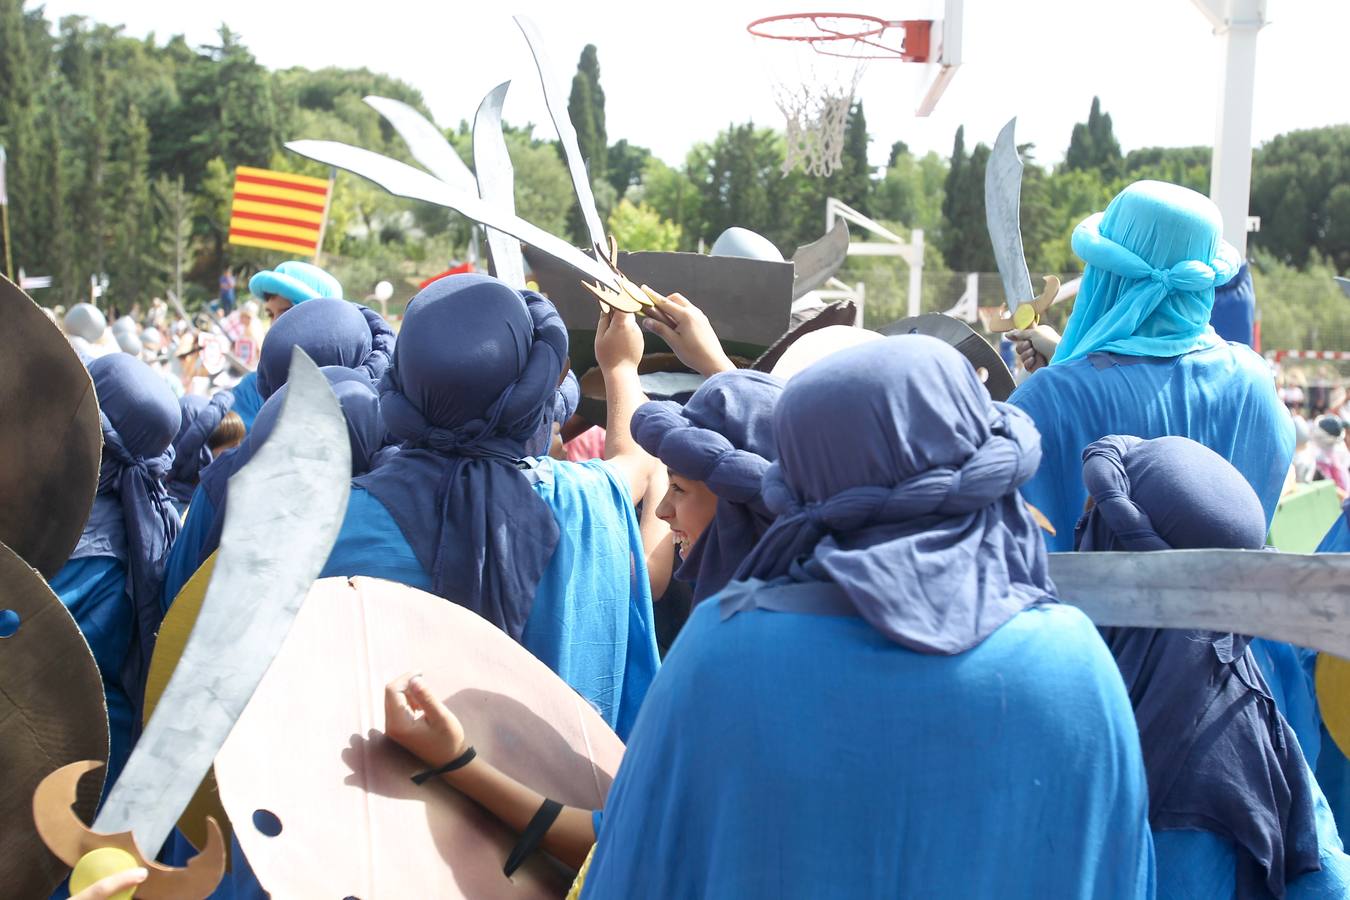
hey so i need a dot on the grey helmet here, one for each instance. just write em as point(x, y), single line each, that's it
point(85, 321)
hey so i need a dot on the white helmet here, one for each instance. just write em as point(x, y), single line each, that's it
point(85, 321)
point(743, 242)
point(124, 325)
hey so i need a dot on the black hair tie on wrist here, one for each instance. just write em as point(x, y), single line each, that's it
point(458, 762)
point(533, 834)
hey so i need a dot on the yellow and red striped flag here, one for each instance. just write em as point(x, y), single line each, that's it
point(278, 210)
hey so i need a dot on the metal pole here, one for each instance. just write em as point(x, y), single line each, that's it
point(9, 262)
point(327, 205)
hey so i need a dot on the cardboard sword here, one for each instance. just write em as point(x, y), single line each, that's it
point(1300, 599)
point(286, 507)
point(1002, 215)
point(497, 183)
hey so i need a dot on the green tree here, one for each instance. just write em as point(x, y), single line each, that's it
point(851, 182)
point(586, 109)
point(639, 227)
point(1093, 144)
point(625, 165)
point(18, 133)
point(132, 239)
point(1295, 178)
point(675, 196)
point(965, 236)
point(912, 192)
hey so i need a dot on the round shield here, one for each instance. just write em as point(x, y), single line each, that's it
point(1333, 697)
point(51, 439)
point(213, 354)
point(324, 804)
point(169, 644)
point(52, 713)
point(840, 312)
point(991, 368)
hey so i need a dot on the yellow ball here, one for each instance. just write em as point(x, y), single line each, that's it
point(1025, 317)
point(98, 864)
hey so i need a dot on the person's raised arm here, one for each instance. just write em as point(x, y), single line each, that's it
point(657, 542)
point(618, 350)
point(690, 335)
point(418, 721)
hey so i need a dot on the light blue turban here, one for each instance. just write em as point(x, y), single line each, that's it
point(1153, 260)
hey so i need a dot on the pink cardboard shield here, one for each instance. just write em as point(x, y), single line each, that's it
point(309, 755)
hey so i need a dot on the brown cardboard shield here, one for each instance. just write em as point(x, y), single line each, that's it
point(50, 439)
point(993, 371)
point(169, 644)
point(309, 755)
point(748, 301)
point(52, 713)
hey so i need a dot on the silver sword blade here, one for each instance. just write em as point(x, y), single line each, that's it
point(1002, 216)
point(1301, 599)
point(425, 142)
point(286, 506)
point(403, 180)
point(567, 135)
point(497, 183)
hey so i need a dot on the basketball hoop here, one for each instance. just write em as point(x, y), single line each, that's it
point(832, 52)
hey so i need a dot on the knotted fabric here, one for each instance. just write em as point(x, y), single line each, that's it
point(365, 433)
point(191, 453)
point(1218, 755)
point(475, 372)
point(897, 480)
point(140, 417)
point(1153, 260)
point(332, 333)
point(723, 437)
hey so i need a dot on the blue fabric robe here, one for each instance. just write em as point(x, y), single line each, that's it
point(1200, 865)
point(1333, 768)
point(1222, 397)
point(247, 399)
point(591, 621)
point(795, 755)
point(94, 589)
point(185, 556)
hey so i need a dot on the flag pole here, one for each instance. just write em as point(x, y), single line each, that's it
point(327, 205)
point(4, 216)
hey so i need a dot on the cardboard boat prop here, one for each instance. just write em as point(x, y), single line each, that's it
point(323, 802)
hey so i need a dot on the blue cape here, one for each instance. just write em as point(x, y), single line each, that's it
point(897, 480)
point(1219, 756)
point(190, 451)
point(723, 437)
point(474, 376)
point(1223, 397)
point(247, 400)
point(333, 333)
point(792, 755)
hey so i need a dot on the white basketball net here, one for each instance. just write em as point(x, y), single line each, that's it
point(816, 116)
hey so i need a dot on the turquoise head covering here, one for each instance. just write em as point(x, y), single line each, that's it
point(1153, 260)
point(296, 281)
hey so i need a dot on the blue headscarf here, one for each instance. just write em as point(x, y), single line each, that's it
point(897, 481)
point(474, 375)
point(140, 417)
point(1153, 260)
point(365, 433)
point(332, 333)
point(1218, 754)
point(722, 437)
point(191, 452)
point(564, 405)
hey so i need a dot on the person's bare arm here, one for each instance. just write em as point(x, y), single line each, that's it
point(618, 349)
point(417, 720)
point(657, 543)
